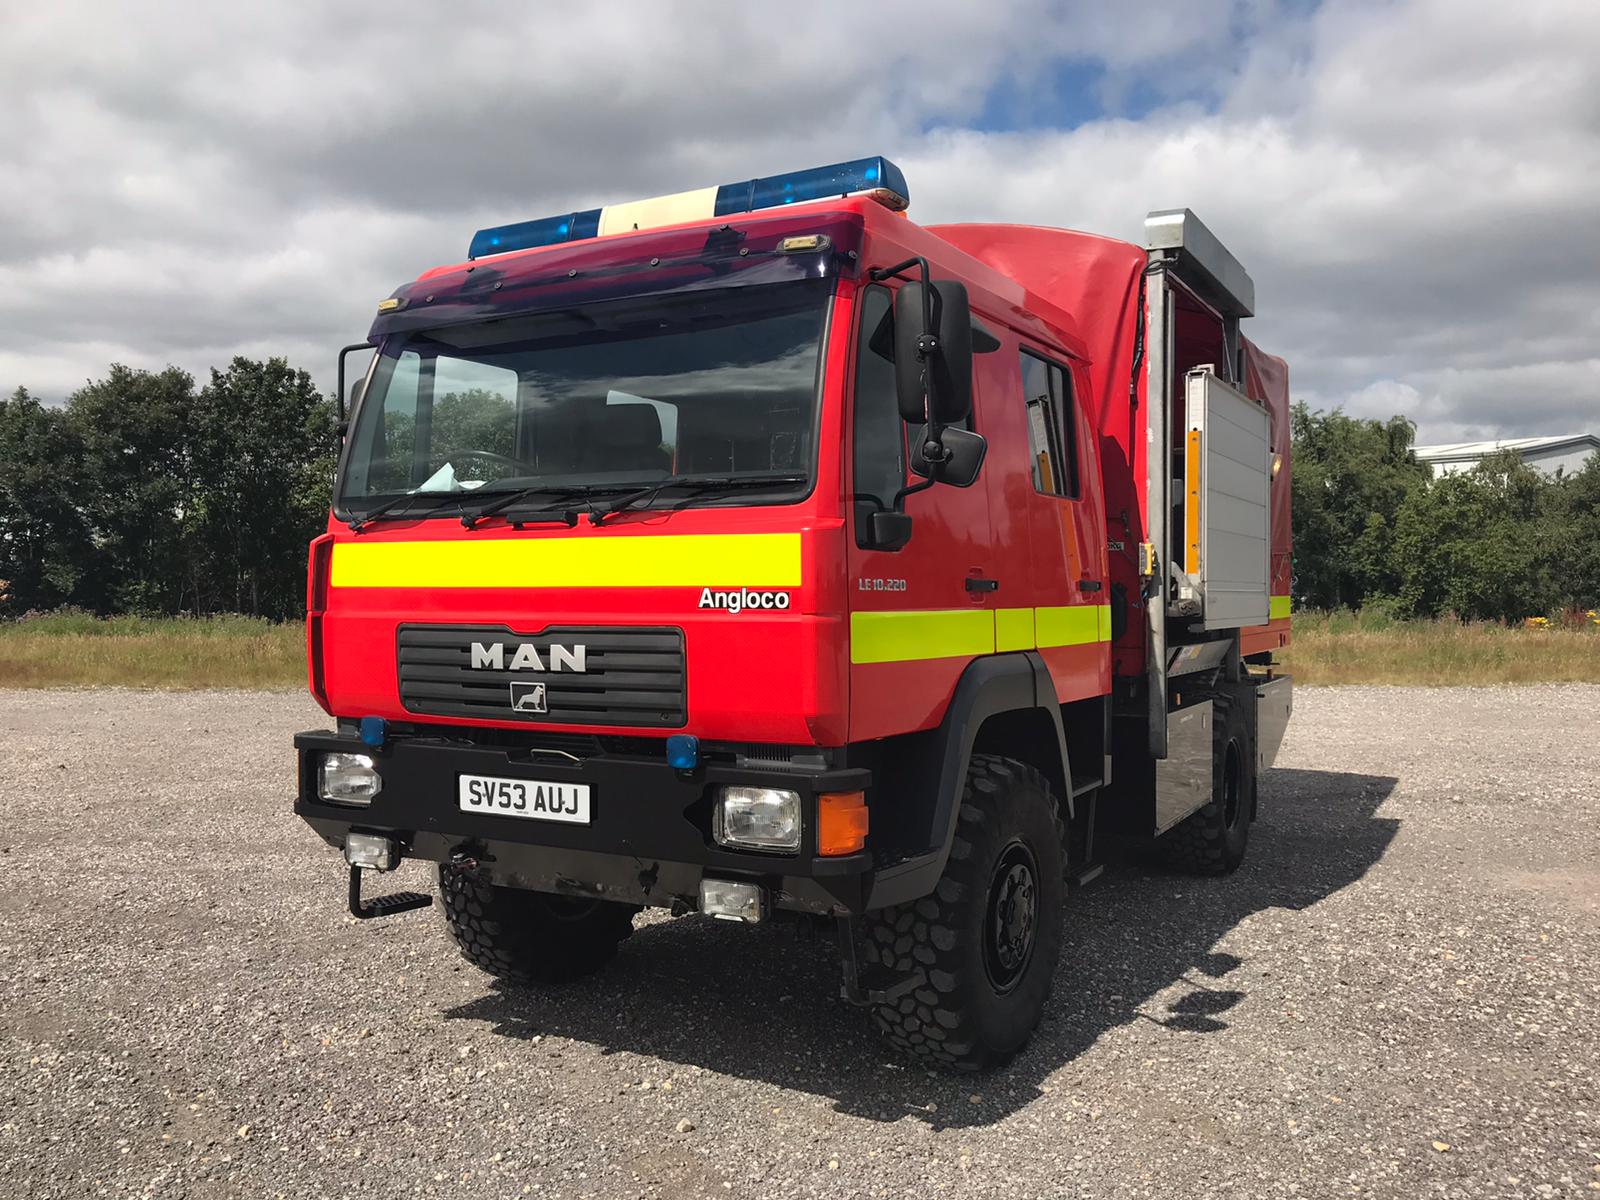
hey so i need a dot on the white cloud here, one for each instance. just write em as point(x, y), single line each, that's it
point(1408, 182)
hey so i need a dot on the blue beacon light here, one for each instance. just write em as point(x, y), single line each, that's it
point(877, 176)
point(683, 751)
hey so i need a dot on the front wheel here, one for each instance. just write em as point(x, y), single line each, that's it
point(530, 937)
point(989, 936)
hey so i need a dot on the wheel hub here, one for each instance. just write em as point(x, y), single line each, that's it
point(1011, 917)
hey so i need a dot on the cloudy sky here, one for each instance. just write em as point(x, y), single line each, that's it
point(1414, 185)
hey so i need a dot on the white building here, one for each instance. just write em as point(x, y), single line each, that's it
point(1548, 454)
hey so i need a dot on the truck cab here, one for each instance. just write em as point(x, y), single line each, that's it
point(746, 552)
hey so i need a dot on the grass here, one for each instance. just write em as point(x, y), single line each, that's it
point(1367, 647)
point(78, 650)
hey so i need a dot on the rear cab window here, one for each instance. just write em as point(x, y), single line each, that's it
point(1052, 425)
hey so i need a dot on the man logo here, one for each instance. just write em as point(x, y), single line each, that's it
point(528, 697)
point(491, 656)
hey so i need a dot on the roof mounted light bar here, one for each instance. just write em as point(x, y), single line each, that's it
point(875, 177)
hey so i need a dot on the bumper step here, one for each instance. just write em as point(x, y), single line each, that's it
point(382, 906)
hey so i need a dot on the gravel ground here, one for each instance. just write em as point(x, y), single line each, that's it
point(1398, 995)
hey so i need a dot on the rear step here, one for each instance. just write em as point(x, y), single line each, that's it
point(382, 906)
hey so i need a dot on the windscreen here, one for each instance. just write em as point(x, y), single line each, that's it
point(712, 385)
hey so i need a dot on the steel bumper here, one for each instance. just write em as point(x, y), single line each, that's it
point(648, 842)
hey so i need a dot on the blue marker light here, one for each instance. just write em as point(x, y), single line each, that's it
point(683, 751)
point(374, 730)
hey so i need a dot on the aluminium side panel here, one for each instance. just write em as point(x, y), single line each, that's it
point(1274, 705)
point(1235, 497)
point(1183, 778)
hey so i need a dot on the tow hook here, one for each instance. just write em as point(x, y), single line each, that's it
point(877, 985)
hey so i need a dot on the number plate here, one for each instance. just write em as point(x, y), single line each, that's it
point(531, 798)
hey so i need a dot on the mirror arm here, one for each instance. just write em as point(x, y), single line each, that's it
point(911, 489)
point(339, 395)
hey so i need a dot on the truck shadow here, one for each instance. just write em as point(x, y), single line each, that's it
point(763, 1004)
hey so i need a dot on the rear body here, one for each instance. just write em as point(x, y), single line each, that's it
point(606, 609)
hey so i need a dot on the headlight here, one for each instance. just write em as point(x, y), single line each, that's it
point(755, 818)
point(348, 778)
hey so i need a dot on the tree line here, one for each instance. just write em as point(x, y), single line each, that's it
point(1373, 528)
point(145, 494)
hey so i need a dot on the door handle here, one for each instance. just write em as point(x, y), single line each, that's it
point(975, 584)
point(1088, 585)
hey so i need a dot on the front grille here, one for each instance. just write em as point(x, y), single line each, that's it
point(630, 677)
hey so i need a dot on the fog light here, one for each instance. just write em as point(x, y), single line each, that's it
point(348, 779)
point(757, 819)
point(372, 851)
point(730, 901)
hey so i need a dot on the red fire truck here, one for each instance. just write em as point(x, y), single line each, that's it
point(757, 552)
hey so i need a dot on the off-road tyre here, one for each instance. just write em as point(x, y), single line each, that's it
point(529, 937)
point(1212, 841)
point(973, 1011)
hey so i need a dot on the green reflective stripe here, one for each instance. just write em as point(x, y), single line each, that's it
point(920, 634)
point(1279, 608)
point(1072, 625)
point(880, 637)
point(1013, 629)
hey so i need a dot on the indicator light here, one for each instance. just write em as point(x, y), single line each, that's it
point(841, 823)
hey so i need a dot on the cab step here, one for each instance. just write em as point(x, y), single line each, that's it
point(382, 906)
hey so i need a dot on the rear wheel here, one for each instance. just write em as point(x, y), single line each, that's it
point(989, 936)
point(1212, 841)
point(530, 937)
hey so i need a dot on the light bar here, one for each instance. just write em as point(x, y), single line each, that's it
point(875, 177)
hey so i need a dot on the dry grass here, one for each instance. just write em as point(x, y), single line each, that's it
point(74, 650)
point(1333, 648)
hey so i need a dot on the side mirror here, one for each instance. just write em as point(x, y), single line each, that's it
point(933, 352)
point(964, 452)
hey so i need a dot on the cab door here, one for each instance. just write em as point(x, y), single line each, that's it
point(1066, 528)
point(920, 614)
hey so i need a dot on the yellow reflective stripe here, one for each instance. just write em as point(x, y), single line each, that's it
point(1013, 629)
point(880, 637)
point(1073, 625)
point(1279, 608)
point(919, 634)
point(750, 560)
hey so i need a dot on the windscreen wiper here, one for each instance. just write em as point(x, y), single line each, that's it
point(697, 486)
point(512, 498)
point(395, 507)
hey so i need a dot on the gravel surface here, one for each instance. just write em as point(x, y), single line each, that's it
point(1398, 995)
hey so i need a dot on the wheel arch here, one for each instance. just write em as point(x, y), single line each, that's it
point(1004, 704)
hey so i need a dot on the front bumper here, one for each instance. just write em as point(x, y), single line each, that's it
point(648, 842)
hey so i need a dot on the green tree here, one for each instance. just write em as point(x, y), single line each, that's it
point(1350, 480)
point(134, 486)
point(45, 546)
point(1480, 544)
point(263, 448)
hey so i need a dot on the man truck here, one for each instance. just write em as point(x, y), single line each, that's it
point(758, 552)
